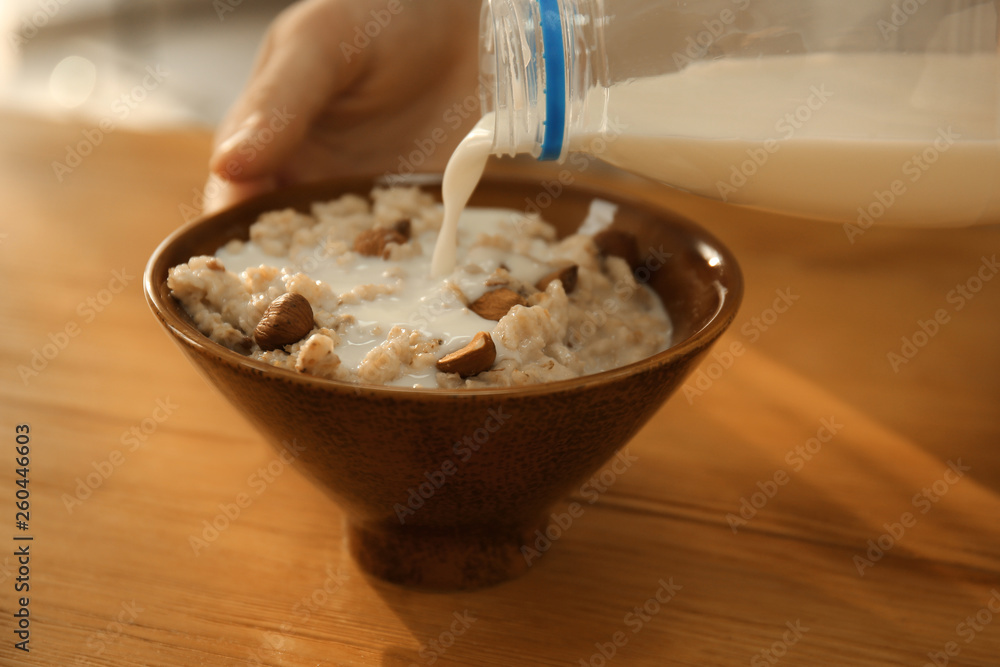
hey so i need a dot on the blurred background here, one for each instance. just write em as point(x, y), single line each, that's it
point(143, 64)
point(76, 59)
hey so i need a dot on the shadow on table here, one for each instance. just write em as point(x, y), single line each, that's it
point(723, 598)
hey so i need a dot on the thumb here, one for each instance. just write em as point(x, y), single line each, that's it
point(295, 75)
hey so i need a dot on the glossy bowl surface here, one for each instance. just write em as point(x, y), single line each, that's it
point(447, 489)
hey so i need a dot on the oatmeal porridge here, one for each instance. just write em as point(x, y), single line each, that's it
point(346, 292)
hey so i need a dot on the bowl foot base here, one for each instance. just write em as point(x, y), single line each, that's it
point(462, 558)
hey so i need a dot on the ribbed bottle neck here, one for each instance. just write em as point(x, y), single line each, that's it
point(526, 58)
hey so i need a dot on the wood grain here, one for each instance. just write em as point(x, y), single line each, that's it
point(115, 581)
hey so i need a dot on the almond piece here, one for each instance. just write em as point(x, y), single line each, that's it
point(474, 358)
point(618, 243)
point(214, 264)
point(494, 304)
point(403, 228)
point(567, 275)
point(373, 242)
point(286, 321)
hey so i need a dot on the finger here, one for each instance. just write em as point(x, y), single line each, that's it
point(220, 194)
point(296, 75)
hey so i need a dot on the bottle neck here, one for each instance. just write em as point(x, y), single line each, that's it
point(530, 57)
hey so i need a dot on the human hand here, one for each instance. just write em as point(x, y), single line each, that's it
point(323, 102)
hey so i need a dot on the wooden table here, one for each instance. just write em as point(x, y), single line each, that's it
point(869, 487)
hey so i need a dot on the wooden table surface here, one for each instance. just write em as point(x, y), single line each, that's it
point(809, 500)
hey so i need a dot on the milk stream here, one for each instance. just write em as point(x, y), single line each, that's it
point(461, 175)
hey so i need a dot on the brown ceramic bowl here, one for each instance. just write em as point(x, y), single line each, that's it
point(440, 488)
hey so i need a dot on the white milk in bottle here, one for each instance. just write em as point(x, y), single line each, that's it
point(799, 135)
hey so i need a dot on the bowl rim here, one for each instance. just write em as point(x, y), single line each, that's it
point(184, 331)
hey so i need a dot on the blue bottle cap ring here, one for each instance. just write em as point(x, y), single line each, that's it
point(555, 80)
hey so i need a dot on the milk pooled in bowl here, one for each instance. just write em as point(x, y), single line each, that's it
point(384, 319)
